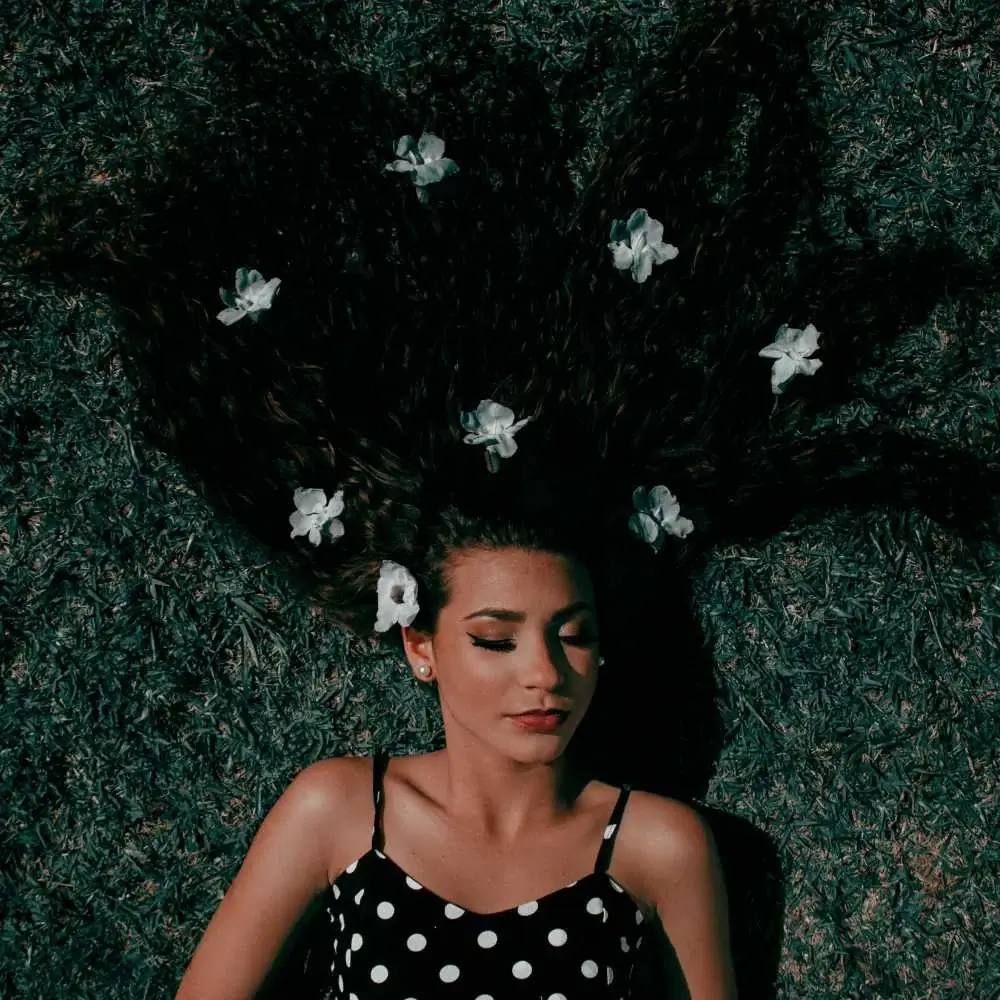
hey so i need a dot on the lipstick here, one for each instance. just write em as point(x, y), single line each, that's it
point(540, 722)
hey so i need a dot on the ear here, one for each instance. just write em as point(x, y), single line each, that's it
point(419, 649)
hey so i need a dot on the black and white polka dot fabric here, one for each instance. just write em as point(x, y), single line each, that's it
point(393, 939)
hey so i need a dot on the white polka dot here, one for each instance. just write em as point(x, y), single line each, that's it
point(336, 944)
point(638, 916)
point(353, 996)
point(347, 958)
point(557, 996)
point(379, 974)
point(379, 854)
point(611, 975)
point(358, 895)
point(385, 910)
point(356, 941)
point(336, 891)
point(570, 886)
point(416, 942)
point(413, 883)
point(615, 885)
point(340, 983)
point(453, 912)
point(589, 969)
point(342, 921)
point(521, 970)
point(625, 944)
point(609, 830)
point(557, 936)
point(595, 905)
point(449, 973)
point(487, 939)
point(526, 909)
point(350, 868)
point(484, 996)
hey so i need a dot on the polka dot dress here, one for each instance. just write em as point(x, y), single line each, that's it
point(393, 939)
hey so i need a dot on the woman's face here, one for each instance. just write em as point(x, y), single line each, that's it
point(519, 633)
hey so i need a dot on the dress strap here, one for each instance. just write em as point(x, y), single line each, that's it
point(379, 763)
point(611, 831)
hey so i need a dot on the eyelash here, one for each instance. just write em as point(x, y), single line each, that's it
point(507, 645)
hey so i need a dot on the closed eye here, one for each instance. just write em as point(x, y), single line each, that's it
point(507, 645)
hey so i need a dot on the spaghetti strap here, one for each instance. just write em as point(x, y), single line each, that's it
point(611, 830)
point(379, 762)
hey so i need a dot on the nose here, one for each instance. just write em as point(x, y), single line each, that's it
point(546, 666)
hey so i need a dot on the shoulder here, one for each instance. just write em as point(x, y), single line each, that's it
point(668, 841)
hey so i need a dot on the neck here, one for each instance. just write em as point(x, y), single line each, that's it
point(505, 801)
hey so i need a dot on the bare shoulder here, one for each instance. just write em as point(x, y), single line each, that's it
point(667, 827)
point(664, 839)
point(342, 787)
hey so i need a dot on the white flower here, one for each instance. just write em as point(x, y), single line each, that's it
point(791, 353)
point(645, 244)
point(253, 294)
point(492, 424)
point(656, 515)
point(424, 159)
point(397, 596)
point(314, 513)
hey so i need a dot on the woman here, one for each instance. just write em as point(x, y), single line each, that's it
point(335, 388)
point(491, 867)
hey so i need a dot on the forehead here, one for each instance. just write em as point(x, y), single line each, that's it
point(516, 578)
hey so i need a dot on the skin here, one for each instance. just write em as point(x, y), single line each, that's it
point(503, 783)
point(490, 817)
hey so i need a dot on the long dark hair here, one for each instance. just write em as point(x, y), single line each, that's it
point(395, 316)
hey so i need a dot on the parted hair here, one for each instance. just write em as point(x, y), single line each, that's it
point(394, 316)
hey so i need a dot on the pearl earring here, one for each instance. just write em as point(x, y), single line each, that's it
point(423, 669)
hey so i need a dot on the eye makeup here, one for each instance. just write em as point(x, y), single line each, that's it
point(507, 645)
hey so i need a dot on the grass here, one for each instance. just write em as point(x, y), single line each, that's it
point(163, 681)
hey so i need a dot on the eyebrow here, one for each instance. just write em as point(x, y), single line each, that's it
point(507, 615)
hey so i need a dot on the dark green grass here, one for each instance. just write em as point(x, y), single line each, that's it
point(162, 683)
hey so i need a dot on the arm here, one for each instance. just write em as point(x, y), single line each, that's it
point(691, 903)
point(282, 878)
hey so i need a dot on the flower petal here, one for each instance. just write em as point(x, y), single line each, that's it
point(654, 232)
point(430, 147)
point(663, 504)
point(407, 144)
point(662, 252)
point(637, 221)
point(783, 370)
point(309, 501)
point(772, 351)
point(681, 527)
point(644, 527)
point(505, 446)
point(622, 255)
point(406, 613)
point(436, 170)
point(230, 316)
point(401, 166)
point(336, 505)
point(493, 416)
point(642, 267)
point(807, 341)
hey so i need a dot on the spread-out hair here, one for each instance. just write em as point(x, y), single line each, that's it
point(394, 316)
